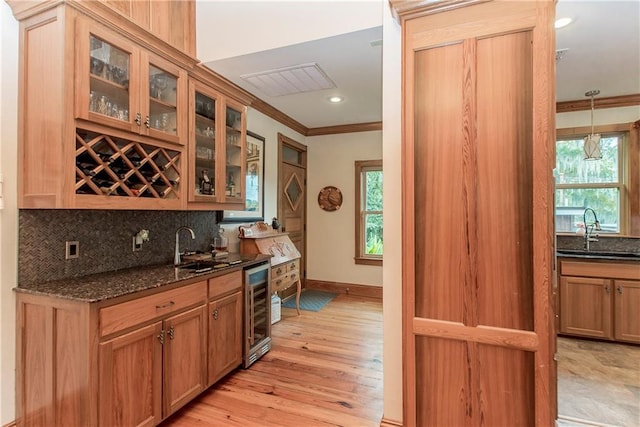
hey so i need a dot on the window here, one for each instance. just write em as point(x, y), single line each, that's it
point(369, 212)
point(596, 184)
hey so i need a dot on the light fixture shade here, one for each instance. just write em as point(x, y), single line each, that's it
point(592, 147)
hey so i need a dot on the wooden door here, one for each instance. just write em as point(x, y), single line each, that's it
point(130, 378)
point(225, 336)
point(585, 307)
point(478, 215)
point(627, 319)
point(184, 358)
point(292, 197)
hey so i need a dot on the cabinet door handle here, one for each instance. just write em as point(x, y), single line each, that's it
point(161, 337)
point(170, 332)
point(619, 289)
point(169, 304)
point(215, 314)
point(138, 119)
point(147, 122)
point(607, 289)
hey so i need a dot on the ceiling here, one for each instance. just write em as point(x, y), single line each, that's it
point(603, 43)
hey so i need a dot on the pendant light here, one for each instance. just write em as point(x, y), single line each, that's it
point(592, 141)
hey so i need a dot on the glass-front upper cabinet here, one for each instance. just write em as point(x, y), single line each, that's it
point(217, 148)
point(203, 136)
point(234, 151)
point(121, 85)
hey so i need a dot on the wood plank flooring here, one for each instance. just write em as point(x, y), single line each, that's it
point(598, 383)
point(324, 369)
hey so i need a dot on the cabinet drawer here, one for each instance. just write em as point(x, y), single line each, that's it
point(284, 281)
point(225, 284)
point(137, 311)
point(607, 270)
point(278, 270)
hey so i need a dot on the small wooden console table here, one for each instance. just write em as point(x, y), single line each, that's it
point(260, 238)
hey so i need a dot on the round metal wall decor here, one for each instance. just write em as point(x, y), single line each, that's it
point(330, 198)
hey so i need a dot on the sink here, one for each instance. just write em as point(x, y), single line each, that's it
point(203, 266)
point(599, 253)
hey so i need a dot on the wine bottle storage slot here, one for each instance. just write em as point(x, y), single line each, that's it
point(112, 166)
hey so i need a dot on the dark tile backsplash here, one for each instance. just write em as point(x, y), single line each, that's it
point(105, 239)
point(605, 244)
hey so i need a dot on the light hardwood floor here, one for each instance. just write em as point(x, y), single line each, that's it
point(598, 383)
point(324, 369)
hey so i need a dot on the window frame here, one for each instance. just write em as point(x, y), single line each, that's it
point(624, 173)
point(361, 257)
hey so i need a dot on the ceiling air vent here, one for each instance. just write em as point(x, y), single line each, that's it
point(289, 80)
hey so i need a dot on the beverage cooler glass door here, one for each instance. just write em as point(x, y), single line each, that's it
point(257, 313)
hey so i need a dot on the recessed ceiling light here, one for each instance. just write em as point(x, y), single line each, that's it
point(336, 99)
point(562, 22)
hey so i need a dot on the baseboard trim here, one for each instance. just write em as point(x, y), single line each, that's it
point(11, 424)
point(345, 288)
point(582, 422)
point(390, 423)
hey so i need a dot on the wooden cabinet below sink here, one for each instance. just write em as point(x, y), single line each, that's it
point(600, 300)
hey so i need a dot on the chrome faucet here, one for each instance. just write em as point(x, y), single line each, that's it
point(589, 228)
point(177, 258)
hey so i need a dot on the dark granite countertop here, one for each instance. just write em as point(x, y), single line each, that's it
point(113, 284)
point(595, 256)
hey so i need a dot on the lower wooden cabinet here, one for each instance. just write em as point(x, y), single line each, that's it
point(225, 336)
point(131, 371)
point(602, 301)
point(585, 307)
point(627, 310)
point(132, 363)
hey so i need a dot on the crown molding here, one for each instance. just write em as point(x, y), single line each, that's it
point(351, 128)
point(610, 102)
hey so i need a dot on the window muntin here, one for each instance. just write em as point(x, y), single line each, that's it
point(597, 184)
point(369, 240)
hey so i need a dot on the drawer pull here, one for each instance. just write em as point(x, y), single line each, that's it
point(293, 276)
point(279, 270)
point(278, 282)
point(169, 304)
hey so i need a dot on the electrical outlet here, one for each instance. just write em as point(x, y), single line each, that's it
point(137, 244)
point(72, 249)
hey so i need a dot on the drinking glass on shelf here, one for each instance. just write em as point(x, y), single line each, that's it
point(161, 84)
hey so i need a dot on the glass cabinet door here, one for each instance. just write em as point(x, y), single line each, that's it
point(109, 70)
point(235, 152)
point(204, 146)
point(165, 87)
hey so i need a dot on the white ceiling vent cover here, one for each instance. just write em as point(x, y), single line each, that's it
point(290, 80)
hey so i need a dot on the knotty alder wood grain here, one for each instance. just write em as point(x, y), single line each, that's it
point(325, 369)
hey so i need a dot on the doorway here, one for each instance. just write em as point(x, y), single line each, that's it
point(292, 198)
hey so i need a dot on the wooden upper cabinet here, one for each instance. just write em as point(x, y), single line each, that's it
point(121, 85)
point(172, 21)
point(217, 149)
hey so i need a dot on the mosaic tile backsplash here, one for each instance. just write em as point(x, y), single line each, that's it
point(105, 240)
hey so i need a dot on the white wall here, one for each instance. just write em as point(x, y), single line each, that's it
point(600, 117)
point(9, 214)
point(331, 235)
point(392, 270)
point(268, 24)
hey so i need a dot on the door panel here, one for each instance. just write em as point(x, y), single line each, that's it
point(292, 198)
point(478, 220)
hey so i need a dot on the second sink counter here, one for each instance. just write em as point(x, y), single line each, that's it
point(113, 284)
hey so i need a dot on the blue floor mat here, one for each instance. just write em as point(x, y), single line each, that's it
point(310, 300)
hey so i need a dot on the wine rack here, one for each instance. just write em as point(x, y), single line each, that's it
point(118, 167)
